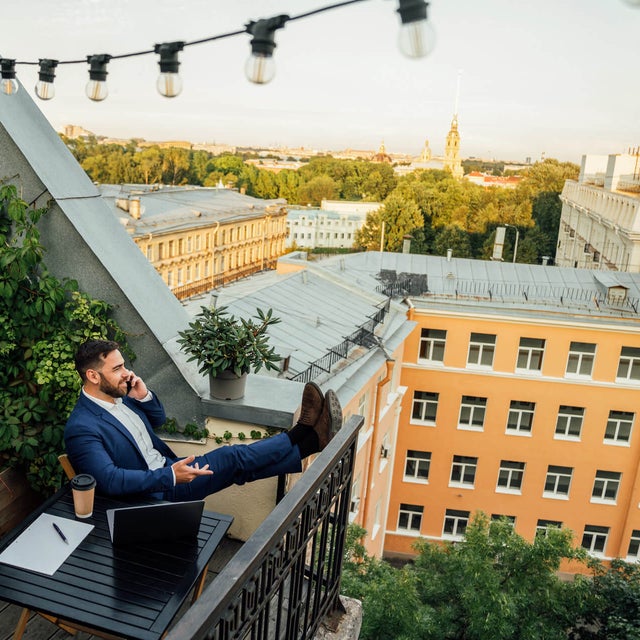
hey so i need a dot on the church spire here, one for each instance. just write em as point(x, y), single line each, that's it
point(452, 160)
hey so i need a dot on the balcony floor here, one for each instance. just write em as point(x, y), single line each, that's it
point(40, 629)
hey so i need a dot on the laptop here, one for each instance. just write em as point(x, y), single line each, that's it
point(155, 522)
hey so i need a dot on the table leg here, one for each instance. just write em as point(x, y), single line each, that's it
point(22, 623)
point(199, 586)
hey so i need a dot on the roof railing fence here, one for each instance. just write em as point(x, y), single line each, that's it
point(363, 336)
point(285, 580)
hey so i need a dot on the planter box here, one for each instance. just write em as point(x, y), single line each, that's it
point(17, 499)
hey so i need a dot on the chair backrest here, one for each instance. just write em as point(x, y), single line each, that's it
point(65, 463)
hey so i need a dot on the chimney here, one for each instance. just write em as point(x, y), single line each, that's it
point(134, 208)
point(449, 254)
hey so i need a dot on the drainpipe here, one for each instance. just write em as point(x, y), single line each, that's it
point(374, 450)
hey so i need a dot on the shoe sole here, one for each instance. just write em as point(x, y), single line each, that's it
point(335, 411)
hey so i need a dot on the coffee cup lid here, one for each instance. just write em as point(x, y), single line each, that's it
point(83, 482)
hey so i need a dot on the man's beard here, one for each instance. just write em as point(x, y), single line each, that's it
point(110, 389)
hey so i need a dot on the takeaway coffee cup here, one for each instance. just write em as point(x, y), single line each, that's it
point(83, 487)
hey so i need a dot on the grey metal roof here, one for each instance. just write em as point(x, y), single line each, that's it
point(168, 208)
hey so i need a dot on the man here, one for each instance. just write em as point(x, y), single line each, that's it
point(109, 435)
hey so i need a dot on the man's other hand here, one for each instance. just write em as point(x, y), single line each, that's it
point(184, 472)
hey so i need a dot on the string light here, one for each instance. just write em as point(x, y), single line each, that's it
point(96, 88)
point(416, 38)
point(414, 41)
point(44, 87)
point(169, 82)
point(260, 67)
point(8, 84)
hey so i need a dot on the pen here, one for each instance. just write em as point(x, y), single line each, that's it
point(59, 531)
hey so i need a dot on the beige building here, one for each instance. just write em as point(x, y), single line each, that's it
point(600, 220)
point(199, 238)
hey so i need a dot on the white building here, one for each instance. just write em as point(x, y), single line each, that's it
point(333, 225)
point(600, 220)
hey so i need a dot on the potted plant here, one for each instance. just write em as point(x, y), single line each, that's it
point(227, 349)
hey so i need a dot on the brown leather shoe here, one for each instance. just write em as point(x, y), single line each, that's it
point(312, 404)
point(330, 419)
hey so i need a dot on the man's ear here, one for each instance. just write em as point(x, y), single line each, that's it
point(92, 376)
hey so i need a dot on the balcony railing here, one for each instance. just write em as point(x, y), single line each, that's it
point(286, 578)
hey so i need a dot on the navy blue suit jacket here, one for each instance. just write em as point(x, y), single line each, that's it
point(100, 445)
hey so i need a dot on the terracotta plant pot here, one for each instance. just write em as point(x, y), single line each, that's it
point(227, 386)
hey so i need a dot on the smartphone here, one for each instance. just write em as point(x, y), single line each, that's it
point(128, 386)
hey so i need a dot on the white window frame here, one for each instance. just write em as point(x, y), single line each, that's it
point(568, 421)
point(429, 400)
point(629, 365)
point(532, 351)
point(558, 475)
point(594, 539)
point(605, 484)
point(482, 350)
point(476, 409)
point(432, 345)
point(417, 465)
point(543, 526)
point(464, 468)
point(457, 522)
point(510, 477)
point(412, 513)
point(619, 421)
point(581, 356)
point(633, 550)
point(524, 412)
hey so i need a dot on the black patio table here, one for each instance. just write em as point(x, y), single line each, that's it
point(131, 591)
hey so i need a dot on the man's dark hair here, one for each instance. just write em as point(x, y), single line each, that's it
point(91, 355)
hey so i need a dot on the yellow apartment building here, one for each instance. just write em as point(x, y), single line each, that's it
point(198, 238)
point(525, 411)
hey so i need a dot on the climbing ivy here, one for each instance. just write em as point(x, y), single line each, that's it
point(42, 322)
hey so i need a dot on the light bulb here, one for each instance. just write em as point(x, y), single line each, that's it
point(44, 87)
point(169, 83)
point(260, 68)
point(8, 83)
point(9, 86)
point(416, 39)
point(96, 90)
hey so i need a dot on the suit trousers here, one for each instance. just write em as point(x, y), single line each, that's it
point(240, 463)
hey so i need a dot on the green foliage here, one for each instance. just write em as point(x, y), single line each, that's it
point(219, 342)
point(493, 584)
point(42, 322)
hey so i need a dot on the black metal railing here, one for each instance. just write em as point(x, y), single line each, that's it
point(363, 336)
point(286, 578)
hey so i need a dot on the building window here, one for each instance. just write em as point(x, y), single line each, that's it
point(510, 476)
point(472, 411)
point(497, 517)
point(160, 251)
point(543, 526)
point(530, 354)
point(189, 246)
point(425, 407)
point(569, 422)
point(520, 417)
point(594, 539)
point(416, 465)
point(170, 278)
point(558, 482)
point(463, 471)
point(605, 486)
point(581, 357)
point(482, 348)
point(634, 545)
point(410, 517)
point(432, 343)
point(619, 427)
point(150, 252)
point(629, 364)
point(455, 524)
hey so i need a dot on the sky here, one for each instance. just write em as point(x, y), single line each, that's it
point(550, 78)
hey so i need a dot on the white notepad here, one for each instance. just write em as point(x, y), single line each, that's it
point(40, 548)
